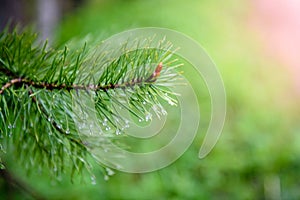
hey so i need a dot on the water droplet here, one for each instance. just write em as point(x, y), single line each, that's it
point(126, 124)
point(171, 103)
point(49, 119)
point(106, 178)
point(9, 126)
point(148, 117)
point(118, 132)
point(93, 180)
point(144, 102)
point(110, 172)
point(107, 128)
point(140, 120)
point(68, 131)
point(58, 126)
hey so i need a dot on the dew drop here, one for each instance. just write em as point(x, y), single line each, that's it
point(58, 126)
point(118, 132)
point(148, 117)
point(107, 128)
point(126, 124)
point(68, 131)
point(49, 119)
point(140, 120)
point(93, 180)
point(144, 102)
point(9, 126)
point(106, 178)
point(171, 103)
point(110, 172)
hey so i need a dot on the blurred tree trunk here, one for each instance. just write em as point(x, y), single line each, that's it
point(45, 14)
point(14, 10)
point(48, 14)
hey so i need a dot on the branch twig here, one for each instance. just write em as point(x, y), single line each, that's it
point(51, 86)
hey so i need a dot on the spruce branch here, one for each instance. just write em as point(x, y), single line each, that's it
point(39, 86)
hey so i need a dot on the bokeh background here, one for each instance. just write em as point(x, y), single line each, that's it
point(256, 46)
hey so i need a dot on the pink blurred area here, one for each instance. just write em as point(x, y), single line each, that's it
point(278, 24)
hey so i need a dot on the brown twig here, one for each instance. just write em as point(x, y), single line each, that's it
point(51, 86)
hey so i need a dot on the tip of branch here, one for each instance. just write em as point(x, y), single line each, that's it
point(157, 70)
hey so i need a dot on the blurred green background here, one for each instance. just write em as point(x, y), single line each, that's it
point(258, 154)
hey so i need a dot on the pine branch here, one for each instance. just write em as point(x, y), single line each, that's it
point(39, 85)
point(18, 82)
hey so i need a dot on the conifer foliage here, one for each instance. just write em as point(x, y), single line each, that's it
point(39, 85)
